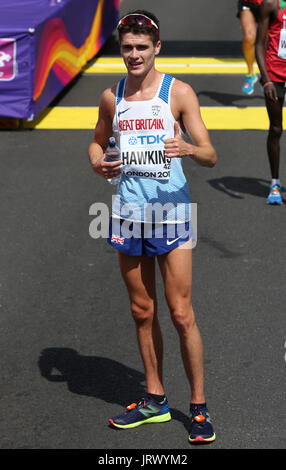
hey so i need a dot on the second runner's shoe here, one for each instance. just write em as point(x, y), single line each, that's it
point(201, 426)
point(275, 195)
point(144, 412)
point(248, 85)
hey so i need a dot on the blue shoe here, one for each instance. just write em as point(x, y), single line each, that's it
point(201, 426)
point(275, 195)
point(248, 85)
point(146, 411)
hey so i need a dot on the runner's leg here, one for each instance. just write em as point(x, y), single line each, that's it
point(248, 26)
point(139, 275)
point(176, 269)
point(274, 109)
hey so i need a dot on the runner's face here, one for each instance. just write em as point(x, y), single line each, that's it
point(138, 53)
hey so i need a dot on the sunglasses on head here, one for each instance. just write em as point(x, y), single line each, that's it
point(140, 20)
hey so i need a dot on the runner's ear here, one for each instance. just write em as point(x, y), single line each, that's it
point(158, 47)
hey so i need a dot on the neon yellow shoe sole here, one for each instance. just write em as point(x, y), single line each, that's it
point(153, 419)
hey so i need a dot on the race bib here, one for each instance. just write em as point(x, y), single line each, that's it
point(282, 44)
point(144, 156)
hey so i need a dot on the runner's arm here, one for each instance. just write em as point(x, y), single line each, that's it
point(266, 9)
point(186, 109)
point(102, 133)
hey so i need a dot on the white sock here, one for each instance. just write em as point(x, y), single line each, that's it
point(275, 181)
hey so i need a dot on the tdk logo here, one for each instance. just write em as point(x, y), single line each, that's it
point(147, 139)
point(132, 141)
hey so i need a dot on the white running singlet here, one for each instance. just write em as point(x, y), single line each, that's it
point(149, 179)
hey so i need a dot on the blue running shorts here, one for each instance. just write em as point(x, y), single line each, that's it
point(137, 238)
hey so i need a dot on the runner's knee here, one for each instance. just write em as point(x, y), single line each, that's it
point(183, 318)
point(142, 311)
point(275, 130)
point(249, 36)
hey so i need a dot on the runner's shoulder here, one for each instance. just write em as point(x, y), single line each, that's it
point(181, 88)
point(107, 100)
point(182, 91)
point(108, 95)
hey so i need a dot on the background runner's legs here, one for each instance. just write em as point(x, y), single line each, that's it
point(248, 26)
point(274, 109)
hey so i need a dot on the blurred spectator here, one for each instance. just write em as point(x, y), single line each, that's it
point(248, 14)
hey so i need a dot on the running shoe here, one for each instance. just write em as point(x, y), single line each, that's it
point(248, 85)
point(275, 195)
point(201, 426)
point(144, 412)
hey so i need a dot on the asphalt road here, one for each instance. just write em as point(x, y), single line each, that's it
point(69, 356)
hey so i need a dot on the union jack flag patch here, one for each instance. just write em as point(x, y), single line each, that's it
point(116, 239)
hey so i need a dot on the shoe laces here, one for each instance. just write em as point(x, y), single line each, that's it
point(275, 189)
point(248, 81)
point(198, 414)
point(135, 405)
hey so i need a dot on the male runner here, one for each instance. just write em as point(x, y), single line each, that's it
point(248, 14)
point(272, 66)
point(147, 112)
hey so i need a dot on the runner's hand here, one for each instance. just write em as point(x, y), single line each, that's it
point(270, 92)
point(107, 169)
point(175, 147)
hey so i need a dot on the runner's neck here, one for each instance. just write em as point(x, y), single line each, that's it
point(141, 89)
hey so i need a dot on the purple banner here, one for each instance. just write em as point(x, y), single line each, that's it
point(44, 44)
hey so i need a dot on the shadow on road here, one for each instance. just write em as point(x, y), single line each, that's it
point(98, 377)
point(236, 187)
point(182, 418)
point(230, 99)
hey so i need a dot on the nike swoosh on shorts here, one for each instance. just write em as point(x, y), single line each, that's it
point(173, 241)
